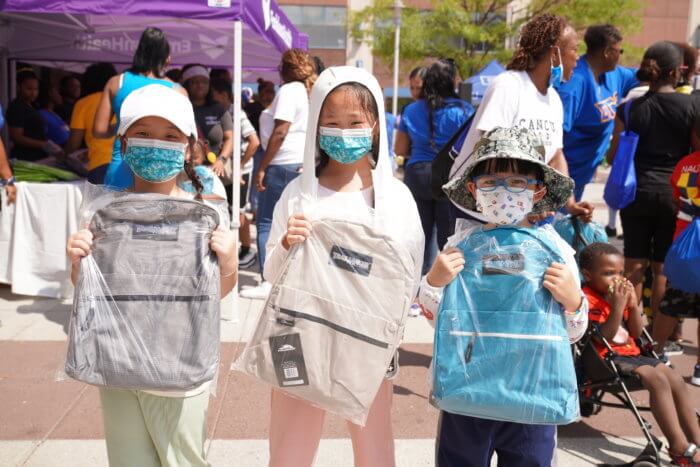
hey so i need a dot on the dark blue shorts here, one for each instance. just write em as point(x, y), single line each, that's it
point(471, 442)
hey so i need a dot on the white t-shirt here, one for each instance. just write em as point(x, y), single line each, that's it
point(346, 199)
point(291, 104)
point(247, 129)
point(513, 100)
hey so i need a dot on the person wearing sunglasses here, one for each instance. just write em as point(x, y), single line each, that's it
point(590, 100)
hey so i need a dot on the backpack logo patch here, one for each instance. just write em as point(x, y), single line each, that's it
point(351, 260)
point(509, 263)
point(158, 232)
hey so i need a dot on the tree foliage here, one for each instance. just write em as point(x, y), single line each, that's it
point(473, 32)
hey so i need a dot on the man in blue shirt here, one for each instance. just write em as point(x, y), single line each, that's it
point(590, 100)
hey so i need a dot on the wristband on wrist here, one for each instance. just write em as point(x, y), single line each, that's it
point(8, 181)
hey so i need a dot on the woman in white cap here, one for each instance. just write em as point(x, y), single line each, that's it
point(154, 428)
point(346, 170)
point(151, 58)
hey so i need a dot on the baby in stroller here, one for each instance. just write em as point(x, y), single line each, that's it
point(614, 305)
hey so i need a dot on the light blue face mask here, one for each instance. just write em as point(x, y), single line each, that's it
point(155, 160)
point(345, 146)
point(556, 78)
point(206, 177)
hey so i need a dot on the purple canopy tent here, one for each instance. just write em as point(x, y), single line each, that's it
point(248, 34)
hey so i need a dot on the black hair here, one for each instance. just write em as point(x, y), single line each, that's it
point(96, 76)
point(592, 252)
point(152, 53)
point(502, 164)
point(45, 88)
point(25, 74)
point(659, 61)
point(219, 73)
point(174, 74)
point(419, 72)
point(601, 36)
point(318, 64)
point(189, 167)
point(368, 105)
point(438, 85)
point(222, 85)
point(537, 37)
point(690, 61)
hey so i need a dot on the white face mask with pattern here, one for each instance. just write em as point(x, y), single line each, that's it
point(502, 207)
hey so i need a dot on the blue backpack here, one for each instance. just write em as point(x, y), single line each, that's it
point(501, 348)
point(682, 265)
point(579, 234)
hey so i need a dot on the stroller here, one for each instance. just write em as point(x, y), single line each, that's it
point(598, 376)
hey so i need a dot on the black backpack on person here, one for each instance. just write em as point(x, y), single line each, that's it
point(445, 158)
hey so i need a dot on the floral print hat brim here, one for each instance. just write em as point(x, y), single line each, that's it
point(511, 143)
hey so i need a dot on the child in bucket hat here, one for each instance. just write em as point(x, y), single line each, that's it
point(506, 179)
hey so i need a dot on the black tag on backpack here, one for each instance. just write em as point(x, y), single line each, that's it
point(288, 358)
point(159, 232)
point(509, 263)
point(351, 260)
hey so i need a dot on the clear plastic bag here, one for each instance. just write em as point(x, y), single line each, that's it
point(334, 318)
point(501, 348)
point(146, 302)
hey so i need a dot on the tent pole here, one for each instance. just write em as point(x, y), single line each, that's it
point(5, 96)
point(13, 80)
point(236, 158)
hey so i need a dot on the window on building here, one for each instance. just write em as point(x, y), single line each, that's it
point(325, 25)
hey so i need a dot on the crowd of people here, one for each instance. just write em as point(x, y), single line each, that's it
point(537, 139)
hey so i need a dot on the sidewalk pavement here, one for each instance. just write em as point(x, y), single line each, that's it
point(50, 421)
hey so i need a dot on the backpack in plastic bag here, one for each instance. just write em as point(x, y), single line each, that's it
point(682, 264)
point(501, 348)
point(146, 303)
point(621, 187)
point(579, 234)
point(334, 318)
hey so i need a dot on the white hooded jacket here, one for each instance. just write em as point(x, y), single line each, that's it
point(395, 213)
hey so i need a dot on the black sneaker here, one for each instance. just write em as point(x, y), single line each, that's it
point(696, 376)
point(246, 258)
point(610, 232)
point(673, 348)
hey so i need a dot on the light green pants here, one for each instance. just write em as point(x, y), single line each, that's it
point(145, 430)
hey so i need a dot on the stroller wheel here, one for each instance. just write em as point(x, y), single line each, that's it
point(589, 408)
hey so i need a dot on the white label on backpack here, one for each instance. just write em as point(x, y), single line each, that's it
point(158, 232)
point(508, 263)
point(351, 260)
point(288, 358)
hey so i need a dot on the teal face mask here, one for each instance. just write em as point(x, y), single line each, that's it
point(345, 146)
point(556, 78)
point(155, 160)
point(206, 177)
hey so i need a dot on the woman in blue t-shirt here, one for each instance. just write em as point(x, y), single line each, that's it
point(56, 129)
point(150, 60)
point(426, 125)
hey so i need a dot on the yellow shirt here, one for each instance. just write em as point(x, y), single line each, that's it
point(99, 150)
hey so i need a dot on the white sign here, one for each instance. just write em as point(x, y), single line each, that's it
point(219, 3)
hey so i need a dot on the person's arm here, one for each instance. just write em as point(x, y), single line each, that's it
point(18, 138)
point(6, 174)
point(619, 127)
point(223, 243)
point(583, 209)
point(634, 321)
point(618, 299)
point(695, 133)
point(253, 145)
point(227, 146)
point(75, 139)
point(103, 128)
point(402, 146)
point(279, 133)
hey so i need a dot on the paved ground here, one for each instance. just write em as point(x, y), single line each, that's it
point(48, 421)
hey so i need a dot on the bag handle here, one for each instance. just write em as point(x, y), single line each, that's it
point(628, 104)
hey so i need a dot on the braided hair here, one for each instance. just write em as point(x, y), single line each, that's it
point(189, 165)
point(537, 37)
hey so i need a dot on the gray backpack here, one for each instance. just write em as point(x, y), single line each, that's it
point(146, 305)
point(334, 318)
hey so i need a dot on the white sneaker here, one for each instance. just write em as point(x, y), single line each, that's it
point(258, 293)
